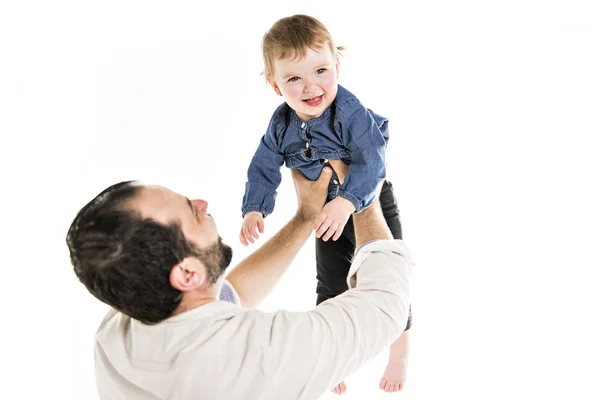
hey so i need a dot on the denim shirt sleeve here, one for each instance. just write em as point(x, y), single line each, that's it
point(264, 175)
point(366, 137)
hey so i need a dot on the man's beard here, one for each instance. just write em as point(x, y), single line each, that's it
point(215, 258)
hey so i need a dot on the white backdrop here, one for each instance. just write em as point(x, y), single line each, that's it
point(494, 117)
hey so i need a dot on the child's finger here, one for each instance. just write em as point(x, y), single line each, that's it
point(323, 228)
point(253, 231)
point(261, 225)
point(247, 234)
point(338, 233)
point(320, 219)
point(242, 238)
point(316, 228)
point(332, 229)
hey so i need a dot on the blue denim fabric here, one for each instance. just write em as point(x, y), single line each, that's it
point(346, 131)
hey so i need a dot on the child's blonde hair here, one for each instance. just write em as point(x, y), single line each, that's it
point(291, 36)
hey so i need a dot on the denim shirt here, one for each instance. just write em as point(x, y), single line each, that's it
point(346, 131)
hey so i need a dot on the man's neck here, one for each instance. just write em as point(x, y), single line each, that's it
point(193, 300)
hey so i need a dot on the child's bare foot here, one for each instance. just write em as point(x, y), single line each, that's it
point(340, 388)
point(394, 376)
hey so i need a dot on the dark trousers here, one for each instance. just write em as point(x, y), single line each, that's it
point(334, 257)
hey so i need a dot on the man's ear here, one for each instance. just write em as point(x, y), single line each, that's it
point(274, 85)
point(188, 275)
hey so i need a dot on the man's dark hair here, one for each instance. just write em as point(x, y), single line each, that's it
point(124, 260)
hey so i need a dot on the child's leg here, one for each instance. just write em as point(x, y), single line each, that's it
point(333, 263)
point(334, 256)
point(395, 373)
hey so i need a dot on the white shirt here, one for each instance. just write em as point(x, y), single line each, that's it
point(221, 351)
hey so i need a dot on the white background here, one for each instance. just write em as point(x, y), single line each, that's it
point(494, 116)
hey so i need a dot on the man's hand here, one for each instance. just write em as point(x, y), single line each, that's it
point(333, 218)
point(341, 169)
point(311, 194)
point(256, 275)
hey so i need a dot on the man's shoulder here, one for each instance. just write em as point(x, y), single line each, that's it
point(114, 325)
point(114, 318)
point(111, 317)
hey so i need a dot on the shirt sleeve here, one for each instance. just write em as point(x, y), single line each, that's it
point(366, 137)
point(264, 175)
point(311, 352)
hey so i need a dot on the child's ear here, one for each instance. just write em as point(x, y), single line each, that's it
point(274, 85)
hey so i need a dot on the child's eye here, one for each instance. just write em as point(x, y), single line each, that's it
point(321, 70)
point(293, 79)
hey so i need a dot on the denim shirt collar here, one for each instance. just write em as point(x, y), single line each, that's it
point(298, 122)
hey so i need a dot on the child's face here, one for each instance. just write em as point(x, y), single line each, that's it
point(308, 85)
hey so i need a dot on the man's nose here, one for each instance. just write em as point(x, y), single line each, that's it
point(201, 205)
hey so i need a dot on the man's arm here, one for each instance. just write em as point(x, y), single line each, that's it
point(313, 351)
point(255, 276)
point(370, 224)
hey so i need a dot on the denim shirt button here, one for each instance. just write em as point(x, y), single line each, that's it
point(303, 125)
point(335, 181)
point(325, 160)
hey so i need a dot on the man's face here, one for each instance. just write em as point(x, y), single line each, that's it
point(199, 228)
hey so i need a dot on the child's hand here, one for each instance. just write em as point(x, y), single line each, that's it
point(252, 221)
point(333, 218)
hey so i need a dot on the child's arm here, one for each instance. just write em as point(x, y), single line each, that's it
point(264, 177)
point(336, 211)
point(333, 218)
point(252, 226)
point(366, 138)
point(366, 135)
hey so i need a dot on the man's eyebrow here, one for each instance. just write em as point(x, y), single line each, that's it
point(191, 206)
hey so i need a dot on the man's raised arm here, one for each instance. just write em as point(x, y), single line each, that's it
point(255, 276)
point(313, 351)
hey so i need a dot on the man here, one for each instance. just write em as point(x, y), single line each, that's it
point(157, 259)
